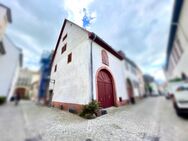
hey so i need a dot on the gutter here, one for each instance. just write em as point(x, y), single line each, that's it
point(91, 66)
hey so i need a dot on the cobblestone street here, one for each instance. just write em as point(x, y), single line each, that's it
point(151, 119)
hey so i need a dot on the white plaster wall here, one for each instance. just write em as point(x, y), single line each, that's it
point(141, 82)
point(137, 77)
point(14, 81)
point(8, 68)
point(132, 78)
point(72, 83)
point(182, 33)
point(117, 69)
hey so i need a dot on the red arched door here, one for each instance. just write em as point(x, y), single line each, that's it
point(105, 89)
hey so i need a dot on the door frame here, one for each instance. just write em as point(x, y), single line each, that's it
point(113, 84)
point(129, 84)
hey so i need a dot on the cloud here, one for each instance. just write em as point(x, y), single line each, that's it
point(35, 27)
point(139, 28)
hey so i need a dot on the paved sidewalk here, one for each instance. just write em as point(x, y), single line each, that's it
point(151, 119)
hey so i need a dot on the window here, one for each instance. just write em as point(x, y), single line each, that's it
point(105, 58)
point(63, 48)
point(64, 37)
point(174, 55)
point(2, 49)
point(127, 65)
point(69, 58)
point(179, 46)
point(171, 61)
point(177, 53)
point(55, 69)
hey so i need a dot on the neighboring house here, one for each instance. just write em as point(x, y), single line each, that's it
point(34, 88)
point(10, 57)
point(177, 50)
point(134, 78)
point(85, 68)
point(25, 80)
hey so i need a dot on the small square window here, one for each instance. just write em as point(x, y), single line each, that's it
point(55, 69)
point(63, 49)
point(69, 58)
point(64, 37)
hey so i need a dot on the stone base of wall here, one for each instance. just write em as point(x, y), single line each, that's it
point(78, 107)
point(123, 102)
point(67, 106)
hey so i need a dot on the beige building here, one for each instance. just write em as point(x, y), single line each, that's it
point(177, 51)
point(34, 88)
point(27, 84)
point(5, 18)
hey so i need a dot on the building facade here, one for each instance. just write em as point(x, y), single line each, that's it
point(86, 68)
point(10, 57)
point(177, 51)
point(26, 79)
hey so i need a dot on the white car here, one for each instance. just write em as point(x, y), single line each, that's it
point(180, 99)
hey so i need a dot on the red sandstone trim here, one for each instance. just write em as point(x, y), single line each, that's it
point(67, 106)
point(113, 84)
point(124, 102)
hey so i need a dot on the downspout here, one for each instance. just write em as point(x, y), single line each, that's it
point(91, 66)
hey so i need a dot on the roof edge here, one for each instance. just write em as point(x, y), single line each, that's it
point(102, 43)
point(8, 12)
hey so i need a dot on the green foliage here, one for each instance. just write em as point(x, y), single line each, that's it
point(176, 80)
point(90, 109)
point(2, 100)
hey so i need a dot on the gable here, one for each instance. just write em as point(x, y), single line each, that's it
point(92, 36)
point(66, 32)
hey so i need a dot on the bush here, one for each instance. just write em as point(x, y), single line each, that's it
point(89, 111)
point(176, 80)
point(2, 100)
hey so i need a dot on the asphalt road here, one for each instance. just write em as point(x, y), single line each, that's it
point(150, 119)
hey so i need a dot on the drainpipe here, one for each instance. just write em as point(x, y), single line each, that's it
point(91, 66)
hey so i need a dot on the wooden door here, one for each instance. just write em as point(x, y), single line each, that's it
point(105, 89)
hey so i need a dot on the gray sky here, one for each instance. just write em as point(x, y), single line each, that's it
point(138, 27)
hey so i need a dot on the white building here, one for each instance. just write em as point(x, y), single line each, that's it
point(177, 51)
point(84, 67)
point(10, 56)
point(134, 77)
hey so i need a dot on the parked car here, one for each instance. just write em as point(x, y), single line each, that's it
point(171, 89)
point(180, 99)
point(169, 95)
